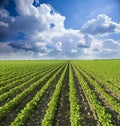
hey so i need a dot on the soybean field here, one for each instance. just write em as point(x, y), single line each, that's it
point(60, 93)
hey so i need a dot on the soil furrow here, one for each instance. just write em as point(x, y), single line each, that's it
point(114, 115)
point(87, 114)
point(5, 121)
point(106, 89)
point(20, 90)
point(62, 117)
point(39, 112)
point(21, 80)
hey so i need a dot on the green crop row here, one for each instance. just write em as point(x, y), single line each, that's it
point(75, 118)
point(18, 77)
point(15, 77)
point(14, 90)
point(107, 70)
point(104, 118)
point(25, 78)
point(15, 73)
point(25, 113)
point(21, 69)
point(52, 105)
point(16, 100)
point(111, 87)
point(109, 99)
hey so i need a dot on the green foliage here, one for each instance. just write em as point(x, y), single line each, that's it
point(26, 83)
point(25, 113)
point(74, 107)
point(25, 76)
point(52, 105)
point(104, 118)
point(16, 100)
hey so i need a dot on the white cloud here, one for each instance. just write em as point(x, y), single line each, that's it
point(26, 8)
point(58, 46)
point(85, 42)
point(46, 37)
point(73, 51)
point(100, 26)
point(111, 47)
point(107, 48)
point(34, 22)
point(7, 52)
point(3, 24)
point(4, 13)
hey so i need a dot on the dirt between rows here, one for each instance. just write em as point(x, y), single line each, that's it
point(12, 79)
point(115, 118)
point(39, 112)
point(19, 81)
point(62, 116)
point(88, 115)
point(105, 87)
point(6, 120)
point(19, 91)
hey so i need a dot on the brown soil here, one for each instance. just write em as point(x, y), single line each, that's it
point(114, 115)
point(6, 120)
point(88, 115)
point(106, 89)
point(21, 80)
point(39, 112)
point(62, 116)
point(19, 91)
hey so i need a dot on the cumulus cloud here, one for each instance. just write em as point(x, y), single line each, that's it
point(7, 52)
point(42, 34)
point(100, 26)
point(73, 51)
point(85, 42)
point(111, 48)
point(107, 48)
point(34, 22)
point(4, 13)
point(26, 7)
point(3, 24)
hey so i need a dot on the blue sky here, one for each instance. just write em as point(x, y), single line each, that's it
point(77, 12)
point(59, 29)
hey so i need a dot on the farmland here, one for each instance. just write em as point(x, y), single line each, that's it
point(60, 93)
